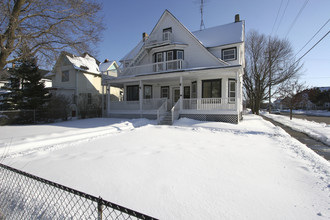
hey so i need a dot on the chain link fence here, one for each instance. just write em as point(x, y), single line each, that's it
point(25, 196)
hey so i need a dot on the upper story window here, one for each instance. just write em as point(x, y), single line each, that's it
point(167, 33)
point(65, 76)
point(229, 54)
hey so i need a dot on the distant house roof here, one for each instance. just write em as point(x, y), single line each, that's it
point(221, 35)
point(324, 88)
point(85, 63)
point(106, 65)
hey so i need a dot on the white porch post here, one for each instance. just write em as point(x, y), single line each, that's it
point(108, 100)
point(237, 95)
point(181, 92)
point(140, 97)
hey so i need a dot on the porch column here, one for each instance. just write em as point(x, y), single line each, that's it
point(181, 92)
point(140, 97)
point(238, 83)
point(108, 100)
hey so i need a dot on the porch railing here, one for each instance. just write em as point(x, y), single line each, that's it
point(209, 104)
point(147, 104)
point(187, 104)
point(176, 111)
point(154, 67)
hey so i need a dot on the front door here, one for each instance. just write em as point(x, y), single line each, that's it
point(176, 95)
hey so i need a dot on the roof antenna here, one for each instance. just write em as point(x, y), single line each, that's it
point(202, 22)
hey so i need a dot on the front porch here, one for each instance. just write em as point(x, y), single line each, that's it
point(206, 109)
point(208, 94)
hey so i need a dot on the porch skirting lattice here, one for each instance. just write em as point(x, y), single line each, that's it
point(147, 116)
point(219, 118)
point(201, 117)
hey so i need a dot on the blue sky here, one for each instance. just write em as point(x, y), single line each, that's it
point(125, 20)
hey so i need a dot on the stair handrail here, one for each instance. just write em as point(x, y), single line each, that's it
point(175, 110)
point(161, 110)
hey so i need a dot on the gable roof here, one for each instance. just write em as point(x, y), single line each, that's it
point(221, 35)
point(85, 63)
point(140, 45)
point(106, 65)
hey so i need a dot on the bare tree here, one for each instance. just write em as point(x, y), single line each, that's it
point(269, 62)
point(47, 27)
point(291, 93)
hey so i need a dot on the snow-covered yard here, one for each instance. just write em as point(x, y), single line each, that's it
point(192, 170)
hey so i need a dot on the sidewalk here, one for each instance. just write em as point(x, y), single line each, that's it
point(317, 146)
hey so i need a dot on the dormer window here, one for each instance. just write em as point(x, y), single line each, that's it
point(167, 33)
point(229, 54)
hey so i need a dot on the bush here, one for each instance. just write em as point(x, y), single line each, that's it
point(58, 107)
point(89, 106)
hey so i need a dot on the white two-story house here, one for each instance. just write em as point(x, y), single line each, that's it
point(173, 71)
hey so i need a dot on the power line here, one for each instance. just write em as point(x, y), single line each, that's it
point(311, 48)
point(313, 36)
point(279, 24)
point(278, 12)
point(306, 52)
point(296, 18)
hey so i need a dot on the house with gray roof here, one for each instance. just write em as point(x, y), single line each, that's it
point(173, 73)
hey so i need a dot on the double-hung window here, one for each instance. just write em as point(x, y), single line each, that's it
point(165, 92)
point(229, 54)
point(167, 33)
point(231, 90)
point(147, 92)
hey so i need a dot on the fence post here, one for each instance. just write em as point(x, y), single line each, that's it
point(99, 208)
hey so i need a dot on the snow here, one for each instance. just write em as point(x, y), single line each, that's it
point(221, 35)
point(191, 170)
point(318, 131)
point(86, 63)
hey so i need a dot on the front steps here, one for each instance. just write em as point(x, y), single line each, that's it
point(167, 120)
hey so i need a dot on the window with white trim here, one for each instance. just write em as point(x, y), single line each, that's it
point(229, 54)
point(231, 90)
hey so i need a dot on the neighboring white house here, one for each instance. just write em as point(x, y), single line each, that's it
point(74, 76)
point(180, 73)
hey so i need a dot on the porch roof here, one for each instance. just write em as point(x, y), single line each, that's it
point(191, 73)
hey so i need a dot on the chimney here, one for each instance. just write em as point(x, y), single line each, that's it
point(237, 18)
point(144, 36)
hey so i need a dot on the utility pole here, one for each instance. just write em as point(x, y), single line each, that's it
point(270, 82)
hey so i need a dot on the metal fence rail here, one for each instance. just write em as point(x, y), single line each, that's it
point(25, 196)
